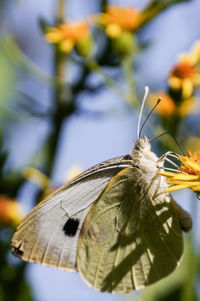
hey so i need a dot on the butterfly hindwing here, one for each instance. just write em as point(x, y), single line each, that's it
point(49, 233)
point(130, 237)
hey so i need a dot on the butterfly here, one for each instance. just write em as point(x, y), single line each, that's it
point(115, 224)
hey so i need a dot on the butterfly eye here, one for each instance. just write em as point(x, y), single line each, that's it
point(143, 144)
point(140, 144)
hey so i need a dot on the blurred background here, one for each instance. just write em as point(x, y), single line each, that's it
point(69, 99)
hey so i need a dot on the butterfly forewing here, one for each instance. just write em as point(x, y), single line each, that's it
point(130, 237)
point(50, 232)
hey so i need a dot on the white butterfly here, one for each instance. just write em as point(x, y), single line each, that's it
point(114, 223)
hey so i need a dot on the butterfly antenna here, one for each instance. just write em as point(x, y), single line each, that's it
point(175, 139)
point(141, 111)
point(178, 144)
point(140, 131)
point(154, 138)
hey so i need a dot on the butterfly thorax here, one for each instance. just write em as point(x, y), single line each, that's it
point(149, 164)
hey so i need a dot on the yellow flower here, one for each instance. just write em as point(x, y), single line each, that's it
point(68, 35)
point(192, 57)
point(166, 107)
point(10, 211)
point(188, 175)
point(117, 19)
point(185, 75)
point(187, 163)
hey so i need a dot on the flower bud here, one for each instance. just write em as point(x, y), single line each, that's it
point(124, 43)
point(84, 46)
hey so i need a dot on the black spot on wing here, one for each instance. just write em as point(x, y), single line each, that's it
point(71, 226)
point(17, 252)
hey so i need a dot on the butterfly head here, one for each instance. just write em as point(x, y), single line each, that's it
point(142, 155)
point(142, 144)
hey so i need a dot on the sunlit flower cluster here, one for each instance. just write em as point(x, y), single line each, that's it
point(10, 211)
point(69, 36)
point(117, 19)
point(184, 80)
point(119, 24)
point(188, 175)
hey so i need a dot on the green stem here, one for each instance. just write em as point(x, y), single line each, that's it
point(59, 114)
point(155, 7)
point(62, 110)
point(129, 77)
point(60, 12)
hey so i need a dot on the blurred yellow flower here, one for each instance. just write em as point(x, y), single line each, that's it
point(166, 107)
point(10, 211)
point(193, 56)
point(185, 75)
point(188, 175)
point(69, 35)
point(117, 19)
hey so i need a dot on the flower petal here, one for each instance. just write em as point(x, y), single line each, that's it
point(177, 187)
point(197, 188)
point(113, 30)
point(187, 87)
point(192, 165)
point(167, 174)
point(185, 177)
point(66, 45)
point(175, 82)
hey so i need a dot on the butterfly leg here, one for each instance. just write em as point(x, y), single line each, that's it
point(165, 158)
point(168, 154)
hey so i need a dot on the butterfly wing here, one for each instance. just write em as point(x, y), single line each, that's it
point(129, 239)
point(49, 233)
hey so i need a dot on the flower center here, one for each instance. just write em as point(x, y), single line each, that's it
point(183, 70)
